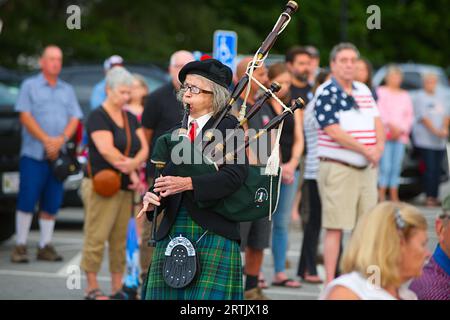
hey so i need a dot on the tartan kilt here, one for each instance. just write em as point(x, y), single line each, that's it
point(220, 275)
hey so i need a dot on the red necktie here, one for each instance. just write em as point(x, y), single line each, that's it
point(193, 130)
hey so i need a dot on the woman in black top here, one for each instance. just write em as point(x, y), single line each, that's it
point(215, 237)
point(291, 147)
point(107, 217)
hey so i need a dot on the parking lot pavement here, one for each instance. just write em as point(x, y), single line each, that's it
point(63, 280)
point(310, 291)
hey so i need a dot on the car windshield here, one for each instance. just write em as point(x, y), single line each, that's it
point(412, 76)
point(83, 78)
point(8, 94)
point(413, 80)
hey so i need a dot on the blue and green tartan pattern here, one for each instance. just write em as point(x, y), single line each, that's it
point(220, 276)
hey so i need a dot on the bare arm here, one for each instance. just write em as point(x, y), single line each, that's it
point(429, 125)
point(71, 127)
point(445, 126)
point(142, 155)
point(103, 140)
point(52, 145)
point(344, 139)
point(379, 131)
point(27, 120)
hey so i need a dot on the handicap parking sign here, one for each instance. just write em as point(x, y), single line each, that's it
point(225, 47)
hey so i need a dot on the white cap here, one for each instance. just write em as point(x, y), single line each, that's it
point(112, 61)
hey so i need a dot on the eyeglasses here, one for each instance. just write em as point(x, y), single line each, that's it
point(194, 89)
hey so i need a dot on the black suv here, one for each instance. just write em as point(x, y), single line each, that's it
point(10, 139)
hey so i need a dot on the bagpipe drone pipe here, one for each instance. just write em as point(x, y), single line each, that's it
point(258, 196)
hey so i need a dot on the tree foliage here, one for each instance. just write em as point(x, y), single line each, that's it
point(150, 30)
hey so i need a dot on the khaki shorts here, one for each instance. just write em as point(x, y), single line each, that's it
point(106, 220)
point(346, 193)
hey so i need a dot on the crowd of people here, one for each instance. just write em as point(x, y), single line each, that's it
point(339, 157)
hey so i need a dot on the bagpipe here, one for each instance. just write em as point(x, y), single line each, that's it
point(258, 196)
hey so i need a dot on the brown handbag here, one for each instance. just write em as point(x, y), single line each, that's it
point(107, 182)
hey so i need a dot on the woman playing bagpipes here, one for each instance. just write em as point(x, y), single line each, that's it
point(215, 238)
point(197, 254)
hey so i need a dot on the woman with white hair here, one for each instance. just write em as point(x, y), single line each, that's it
point(117, 149)
point(214, 271)
point(388, 248)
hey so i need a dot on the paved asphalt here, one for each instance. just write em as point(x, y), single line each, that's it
point(44, 280)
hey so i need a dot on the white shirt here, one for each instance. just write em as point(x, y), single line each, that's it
point(201, 121)
point(364, 289)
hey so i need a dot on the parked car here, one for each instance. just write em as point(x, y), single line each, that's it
point(10, 142)
point(412, 76)
point(83, 78)
point(413, 167)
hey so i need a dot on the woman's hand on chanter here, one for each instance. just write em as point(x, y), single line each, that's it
point(149, 202)
point(170, 185)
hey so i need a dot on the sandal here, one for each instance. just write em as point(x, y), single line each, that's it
point(96, 294)
point(313, 279)
point(119, 295)
point(285, 283)
point(125, 294)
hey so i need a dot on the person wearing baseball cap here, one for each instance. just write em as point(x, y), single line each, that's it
point(112, 61)
point(98, 94)
point(434, 283)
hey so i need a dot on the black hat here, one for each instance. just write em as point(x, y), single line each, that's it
point(211, 69)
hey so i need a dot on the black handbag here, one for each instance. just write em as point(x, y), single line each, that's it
point(66, 164)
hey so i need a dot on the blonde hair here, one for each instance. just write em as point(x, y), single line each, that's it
point(376, 241)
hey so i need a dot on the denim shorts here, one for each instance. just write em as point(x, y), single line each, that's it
point(38, 185)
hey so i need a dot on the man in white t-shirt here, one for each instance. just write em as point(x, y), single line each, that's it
point(350, 144)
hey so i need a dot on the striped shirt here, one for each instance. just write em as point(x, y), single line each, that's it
point(310, 127)
point(354, 113)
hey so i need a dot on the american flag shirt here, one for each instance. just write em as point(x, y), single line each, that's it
point(354, 113)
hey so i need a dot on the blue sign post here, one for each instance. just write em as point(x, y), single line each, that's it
point(225, 47)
